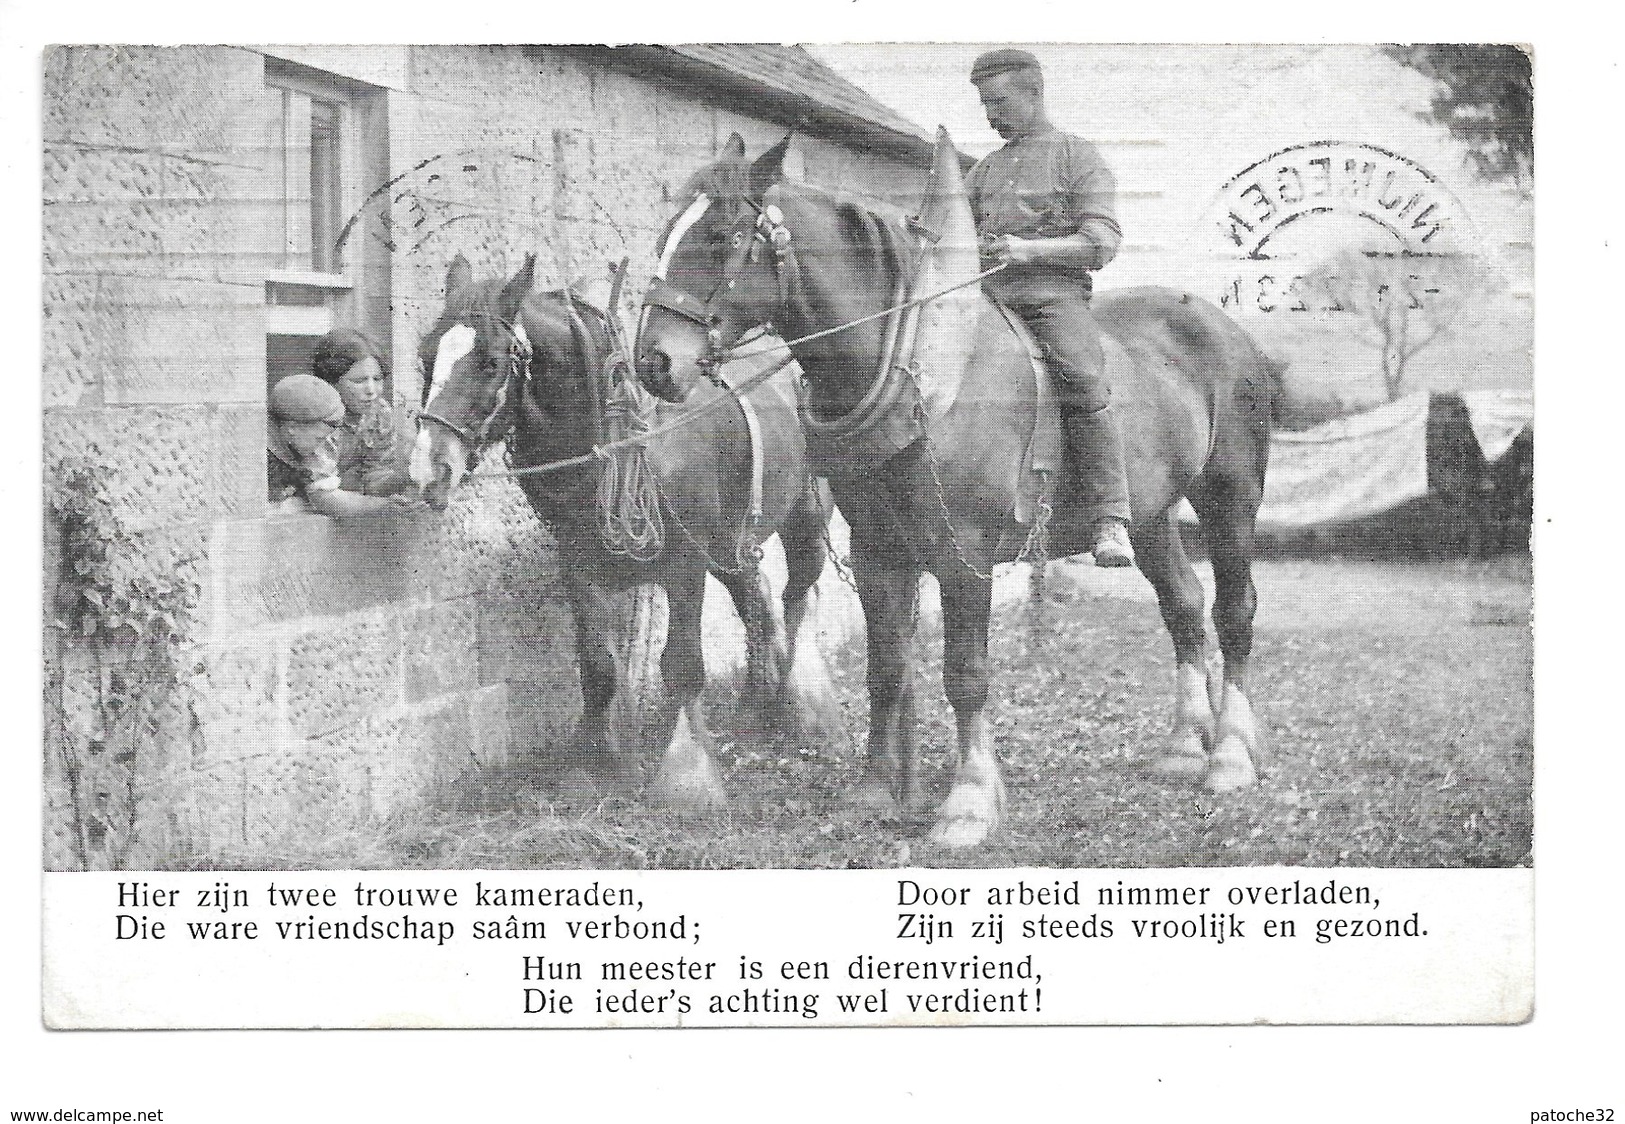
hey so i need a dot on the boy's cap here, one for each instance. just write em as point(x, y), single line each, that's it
point(306, 398)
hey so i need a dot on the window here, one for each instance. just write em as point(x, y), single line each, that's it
point(325, 149)
point(318, 164)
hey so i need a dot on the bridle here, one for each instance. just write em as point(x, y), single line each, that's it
point(768, 232)
point(518, 359)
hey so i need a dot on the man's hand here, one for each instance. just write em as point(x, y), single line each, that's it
point(1072, 250)
point(1007, 249)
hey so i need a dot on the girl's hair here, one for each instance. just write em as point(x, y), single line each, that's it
point(343, 348)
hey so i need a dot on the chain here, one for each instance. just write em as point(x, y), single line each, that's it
point(936, 478)
point(1036, 545)
point(749, 557)
point(843, 566)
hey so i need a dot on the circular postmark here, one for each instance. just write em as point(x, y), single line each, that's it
point(1342, 256)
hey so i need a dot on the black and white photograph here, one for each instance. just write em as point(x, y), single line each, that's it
point(732, 469)
point(1009, 531)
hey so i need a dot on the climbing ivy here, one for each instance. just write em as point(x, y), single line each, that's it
point(127, 603)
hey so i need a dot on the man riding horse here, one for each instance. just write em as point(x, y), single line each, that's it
point(1044, 206)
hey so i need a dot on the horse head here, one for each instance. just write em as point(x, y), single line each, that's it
point(752, 249)
point(476, 356)
point(718, 274)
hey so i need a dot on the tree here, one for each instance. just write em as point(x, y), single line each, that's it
point(1401, 304)
point(1485, 97)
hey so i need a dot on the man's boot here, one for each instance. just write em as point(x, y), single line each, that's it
point(1095, 446)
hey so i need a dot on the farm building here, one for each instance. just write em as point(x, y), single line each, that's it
point(223, 678)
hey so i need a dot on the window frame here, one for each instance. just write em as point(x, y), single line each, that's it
point(301, 299)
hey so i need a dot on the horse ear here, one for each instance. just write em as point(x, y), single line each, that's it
point(768, 168)
point(734, 149)
point(459, 275)
point(516, 290)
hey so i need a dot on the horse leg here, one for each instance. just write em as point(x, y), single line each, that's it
point(767, 649)
point(806, 693)
point(1227, 516)
point(1163, 561)
point(687, 780)
point(974, 808)
point(598, 751)
point(889, 594)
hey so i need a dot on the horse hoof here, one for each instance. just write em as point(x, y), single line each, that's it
point(692, 799)
point(1180, 766)
point(693, 791)
point(960, 832)
point(1232, 767)
point(967, 817)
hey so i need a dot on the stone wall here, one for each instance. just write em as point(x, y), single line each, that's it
point(329, 674)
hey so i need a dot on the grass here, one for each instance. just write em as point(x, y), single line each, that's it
point(1396, 701)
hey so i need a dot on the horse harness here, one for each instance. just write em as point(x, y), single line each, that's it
point(891, 413)
point(519, 357)
point(769, 230)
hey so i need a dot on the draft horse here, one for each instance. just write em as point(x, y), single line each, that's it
point(535, 369)
point(751, 248)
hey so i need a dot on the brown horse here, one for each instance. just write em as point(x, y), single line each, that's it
point(751, 248)
point(534, 368)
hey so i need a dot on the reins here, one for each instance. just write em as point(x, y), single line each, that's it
point(609, 449)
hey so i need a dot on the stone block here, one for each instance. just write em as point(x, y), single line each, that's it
point(144, 96)
point(529, 645)
point(290, 566)
point(489, 538)
point(625, 108)
point(573, 165)
point(85, 173)
point(73, 324)
point(191, 352)
point(119, 236)
point(685, 128)
point(238, 705)
point(442, 650)
point(213, 813)
point(343, 670)
point(237, 440)
point(156, 460)
point(488, 723)
point(300, 796)
point(437, 745)
point(366, 759)
point(564, 83)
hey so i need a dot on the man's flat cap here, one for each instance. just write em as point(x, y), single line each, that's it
point(1002, 61)
point(306, 398)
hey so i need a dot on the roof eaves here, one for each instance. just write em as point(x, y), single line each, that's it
point(759, 97)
